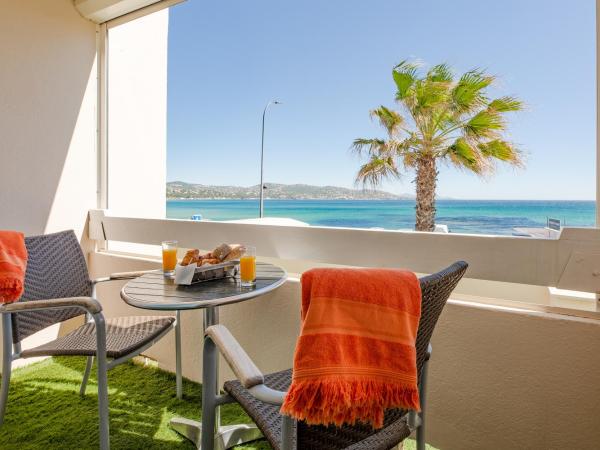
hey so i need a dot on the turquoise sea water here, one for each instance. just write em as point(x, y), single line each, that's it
point(461, 216)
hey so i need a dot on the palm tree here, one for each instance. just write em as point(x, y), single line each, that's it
point(444, 119)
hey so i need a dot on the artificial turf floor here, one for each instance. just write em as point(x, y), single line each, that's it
point(45, 410)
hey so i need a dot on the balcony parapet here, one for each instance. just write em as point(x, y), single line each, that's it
point(570, 262)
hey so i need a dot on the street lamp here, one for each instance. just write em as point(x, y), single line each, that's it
point(262, 154)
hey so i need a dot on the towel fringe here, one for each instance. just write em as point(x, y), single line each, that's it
point(10, 289)
point(347, 401)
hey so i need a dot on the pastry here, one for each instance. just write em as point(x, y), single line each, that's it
point(221, 251)
point(190, 256)
point(210, 261)
point(237, 250)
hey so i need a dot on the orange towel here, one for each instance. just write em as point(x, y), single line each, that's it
point(356, 356)
point(13, 262)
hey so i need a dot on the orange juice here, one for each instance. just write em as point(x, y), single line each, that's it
point(169, 257)
point(247, 268)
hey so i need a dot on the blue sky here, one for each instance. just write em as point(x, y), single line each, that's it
point(330, 62)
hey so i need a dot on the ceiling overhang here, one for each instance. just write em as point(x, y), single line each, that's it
point(100, 11)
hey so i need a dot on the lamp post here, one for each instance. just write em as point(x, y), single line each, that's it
point(262, 155)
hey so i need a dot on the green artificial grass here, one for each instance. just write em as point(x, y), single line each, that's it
point(45, 410)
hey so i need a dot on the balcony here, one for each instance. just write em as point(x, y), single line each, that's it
point(488, 351)
point(515, 364)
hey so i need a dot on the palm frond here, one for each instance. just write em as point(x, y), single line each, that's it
point(404, 74)
point(388, 119)
point(466, 156)
point(409, 159)
point(408, 144)
point(502, 151)
point(506, 104)
point(440, 73)
point(369, 146)
point(469, 92)
point(484, 124)
point(480, 157)
point(430, 94)
point(373, 172)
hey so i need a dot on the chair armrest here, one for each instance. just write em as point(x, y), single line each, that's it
point(88, 304)
point(265, 394)
point(244, 368)
point(237, 358)
point(122, 276)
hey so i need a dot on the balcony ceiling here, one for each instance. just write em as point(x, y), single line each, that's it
point(100, 11)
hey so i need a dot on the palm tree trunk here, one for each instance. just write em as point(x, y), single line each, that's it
point(426, 181)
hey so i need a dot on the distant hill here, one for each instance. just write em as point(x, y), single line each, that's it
point(181, 190)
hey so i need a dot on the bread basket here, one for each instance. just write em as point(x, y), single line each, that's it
point(192, 274)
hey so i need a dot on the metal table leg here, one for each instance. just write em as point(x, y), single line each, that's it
point(224, 436)
point(178, 383)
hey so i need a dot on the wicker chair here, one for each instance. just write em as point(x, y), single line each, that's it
point(261, 395)
point(57, 288)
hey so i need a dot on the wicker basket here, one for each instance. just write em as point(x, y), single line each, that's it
point(187, 275)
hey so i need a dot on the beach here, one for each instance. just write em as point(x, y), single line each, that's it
point(461, 216)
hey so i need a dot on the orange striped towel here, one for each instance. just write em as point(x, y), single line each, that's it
point(356, 356)
point(13, 262)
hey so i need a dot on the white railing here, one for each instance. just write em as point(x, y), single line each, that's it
point(570, 262)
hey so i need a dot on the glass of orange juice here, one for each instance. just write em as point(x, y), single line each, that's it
point(248, 267)
point(169, 257)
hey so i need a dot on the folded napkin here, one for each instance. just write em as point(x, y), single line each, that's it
point(356, 356)
point(13, 262)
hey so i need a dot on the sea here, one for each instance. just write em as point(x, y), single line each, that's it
point(461, 216)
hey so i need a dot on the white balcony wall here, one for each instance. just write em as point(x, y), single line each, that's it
point(137, 116)
point(508, 375)
point(500, 378)
point(47, 116)
point(48, 120)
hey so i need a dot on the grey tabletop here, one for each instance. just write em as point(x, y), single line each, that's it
point(154, 291)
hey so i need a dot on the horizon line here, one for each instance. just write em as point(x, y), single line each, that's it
point(406, 199)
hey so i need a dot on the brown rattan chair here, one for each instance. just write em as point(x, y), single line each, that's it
point(57, 288)
point(261, 395)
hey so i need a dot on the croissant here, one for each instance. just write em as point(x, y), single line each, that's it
point(190, 256)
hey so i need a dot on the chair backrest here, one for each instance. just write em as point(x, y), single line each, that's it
point(435, 291)
point(56, 268)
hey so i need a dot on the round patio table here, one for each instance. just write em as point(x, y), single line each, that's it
point(156, 292)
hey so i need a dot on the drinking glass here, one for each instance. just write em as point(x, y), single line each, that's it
point(169, 257)
point(248, 267)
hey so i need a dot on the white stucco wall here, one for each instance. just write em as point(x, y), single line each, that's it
point(47, 116)
point(48, 120)
point(137, 116)
point(504, 378)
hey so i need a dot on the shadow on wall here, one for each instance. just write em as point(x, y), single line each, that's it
point(47, 116)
